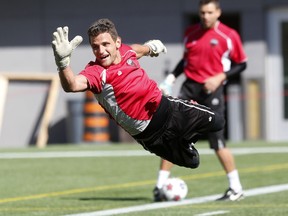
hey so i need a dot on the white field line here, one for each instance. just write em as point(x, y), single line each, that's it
point(213, 213)
point(74, 154)
point(128, 153)
point(153, 206)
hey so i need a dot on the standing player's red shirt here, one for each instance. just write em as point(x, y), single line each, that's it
point(125, 91)
point(210, 51)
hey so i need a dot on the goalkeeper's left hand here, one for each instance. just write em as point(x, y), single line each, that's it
point(156, 47)
point(62, 47)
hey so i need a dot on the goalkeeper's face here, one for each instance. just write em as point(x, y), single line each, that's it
point(106, 49)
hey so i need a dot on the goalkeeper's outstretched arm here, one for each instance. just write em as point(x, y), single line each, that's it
point(63, 49)
point(71, 82)
point(151, 48)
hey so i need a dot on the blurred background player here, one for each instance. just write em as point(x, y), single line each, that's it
point(213, 54)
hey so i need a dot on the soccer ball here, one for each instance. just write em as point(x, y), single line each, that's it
point(174, 189)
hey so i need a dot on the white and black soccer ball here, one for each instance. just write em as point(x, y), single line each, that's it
point(174, 189)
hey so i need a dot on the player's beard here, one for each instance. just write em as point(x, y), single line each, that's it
point(206, 24)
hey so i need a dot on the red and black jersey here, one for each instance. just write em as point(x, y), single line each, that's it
point(125, 91)
point(210, 51)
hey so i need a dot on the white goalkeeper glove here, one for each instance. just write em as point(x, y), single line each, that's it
point(62, 47)
point(167, 84)
point(156, 47)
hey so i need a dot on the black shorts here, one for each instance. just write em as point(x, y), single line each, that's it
point(192, 90)
point(171, 137)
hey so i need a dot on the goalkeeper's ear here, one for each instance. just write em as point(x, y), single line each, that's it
point(118, 42)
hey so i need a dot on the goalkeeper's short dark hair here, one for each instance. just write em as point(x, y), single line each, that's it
point(102, 26)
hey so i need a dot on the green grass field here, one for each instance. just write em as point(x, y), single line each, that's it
point(40, 185)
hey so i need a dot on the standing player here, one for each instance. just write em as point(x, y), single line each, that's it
point(213, 54)
point(165, 126)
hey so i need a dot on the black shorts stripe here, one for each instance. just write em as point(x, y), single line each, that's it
point(192, 105)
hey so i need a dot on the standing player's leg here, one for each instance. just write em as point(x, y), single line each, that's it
point(163, 175)
point(226, 158)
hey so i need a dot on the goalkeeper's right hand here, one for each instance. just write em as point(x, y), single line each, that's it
point(62, 47)
point(156, 47)
point(167, 84)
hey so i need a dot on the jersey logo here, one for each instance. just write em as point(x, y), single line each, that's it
point(214, 42)
point(131, 63)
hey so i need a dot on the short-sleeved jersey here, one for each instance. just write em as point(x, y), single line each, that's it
point(125, 91)
point(210, 51)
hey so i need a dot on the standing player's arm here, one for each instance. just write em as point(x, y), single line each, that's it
point(178, 70)
point(213, 82)
point(167, 85)
point(71, 82)
point(237, 56)
point(236, 68)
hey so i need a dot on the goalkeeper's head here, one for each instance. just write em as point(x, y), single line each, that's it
point(103, 26)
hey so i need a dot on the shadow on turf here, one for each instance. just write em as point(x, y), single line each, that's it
point(112, 198)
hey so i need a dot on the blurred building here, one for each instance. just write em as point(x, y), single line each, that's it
point(257, 101)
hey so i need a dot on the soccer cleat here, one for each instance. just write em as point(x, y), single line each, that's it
point(231, 195)
point(158, 195)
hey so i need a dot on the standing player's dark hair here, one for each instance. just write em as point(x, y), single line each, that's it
point(204, 2)
point(102, 26)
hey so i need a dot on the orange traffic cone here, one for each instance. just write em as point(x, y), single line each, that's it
point(96, 120)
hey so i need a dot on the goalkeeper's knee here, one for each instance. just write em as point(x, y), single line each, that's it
point(219, 123)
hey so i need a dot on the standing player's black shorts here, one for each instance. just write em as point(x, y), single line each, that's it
point(192, 90)
point(174, 129)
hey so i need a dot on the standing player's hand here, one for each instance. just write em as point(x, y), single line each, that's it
point(62, 47)
point(156, 47)
point(212, 83)
point(167, 84)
